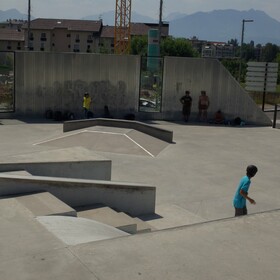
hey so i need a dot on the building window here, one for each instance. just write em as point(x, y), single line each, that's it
point(30, 46)
point(89, 49)
point(31, 36)
point(42, 47)
point(68, 35)
point(76, 48)
point(89, 39)
point(69, 46)
point(77, 38)
point(43, 37)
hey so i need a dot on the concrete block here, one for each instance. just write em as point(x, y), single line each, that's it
point(142, 226)
point(45, 204)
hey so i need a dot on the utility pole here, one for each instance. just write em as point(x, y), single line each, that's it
point(160, 20)
point(28, 30)
point(241, 46)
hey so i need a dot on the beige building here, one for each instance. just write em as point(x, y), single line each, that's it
point(218, 50)
point(64, 35)
point(11, 39)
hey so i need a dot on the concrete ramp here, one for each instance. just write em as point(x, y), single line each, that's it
point(45, 203)
point(108, 139)
point(73, 231)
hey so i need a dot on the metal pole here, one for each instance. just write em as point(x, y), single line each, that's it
point(28, 30)
point(264, 86)
point(275, 116)
point(241, 46)
point(160, 21)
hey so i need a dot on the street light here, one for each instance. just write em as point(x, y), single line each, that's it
point(241, 46)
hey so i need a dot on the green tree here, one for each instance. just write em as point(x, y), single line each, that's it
point(232, 66)
point(233, 42)
point(139, 45)
point(269, 52)
point(171, 46)
point(248, 52)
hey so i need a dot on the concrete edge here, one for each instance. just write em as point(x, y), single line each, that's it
point(132, 198)
point(162, 134)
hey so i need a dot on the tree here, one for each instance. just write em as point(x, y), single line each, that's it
point(232, 66)
point(171, 46)
point(269, 52)
point(233, 42)
point(139, 45)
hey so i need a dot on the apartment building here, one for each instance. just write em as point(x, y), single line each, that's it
point(218, 50)
point(11, 39)
point(65, 35)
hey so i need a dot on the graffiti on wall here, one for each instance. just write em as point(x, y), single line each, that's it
point(69, 95)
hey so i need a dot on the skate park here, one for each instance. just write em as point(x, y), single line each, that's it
point(188, 230)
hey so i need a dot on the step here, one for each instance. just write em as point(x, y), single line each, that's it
point(142, 226)
point(45, 204)
point(110, 217)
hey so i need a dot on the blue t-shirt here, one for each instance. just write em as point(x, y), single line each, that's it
point(239, 201)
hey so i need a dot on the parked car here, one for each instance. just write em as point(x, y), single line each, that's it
point(147, 103)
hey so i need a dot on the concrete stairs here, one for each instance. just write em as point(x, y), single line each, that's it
point(119, 220)
point(45, 204)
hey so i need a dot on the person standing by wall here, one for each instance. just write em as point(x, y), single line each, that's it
point(241, 194)
point(186, 100)
point(203, 105)
point(86, 104)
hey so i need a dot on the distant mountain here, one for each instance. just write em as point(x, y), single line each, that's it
point(223, 25)
point(174, 16)
point(108, 18)
point(12, 14)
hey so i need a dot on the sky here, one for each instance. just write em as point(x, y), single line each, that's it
point(76, 9)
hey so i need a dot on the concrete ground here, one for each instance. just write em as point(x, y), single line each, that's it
point(196, 177)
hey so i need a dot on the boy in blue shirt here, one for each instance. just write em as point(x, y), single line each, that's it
point(241, 194)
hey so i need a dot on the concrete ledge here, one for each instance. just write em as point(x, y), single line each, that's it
point(134, 199)
point(163, 134)
point(74, 162)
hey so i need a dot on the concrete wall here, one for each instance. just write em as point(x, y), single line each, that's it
point(95, 170)
point(134, 199)
point(57, 81)
point(224, 91)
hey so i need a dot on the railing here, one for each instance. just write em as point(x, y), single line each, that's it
point(275, 115)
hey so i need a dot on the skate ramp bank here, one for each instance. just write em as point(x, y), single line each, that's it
point(134, 199)
point(162, 134)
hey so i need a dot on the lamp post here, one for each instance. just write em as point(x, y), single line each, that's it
point(28, 28)
point(241, 46)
